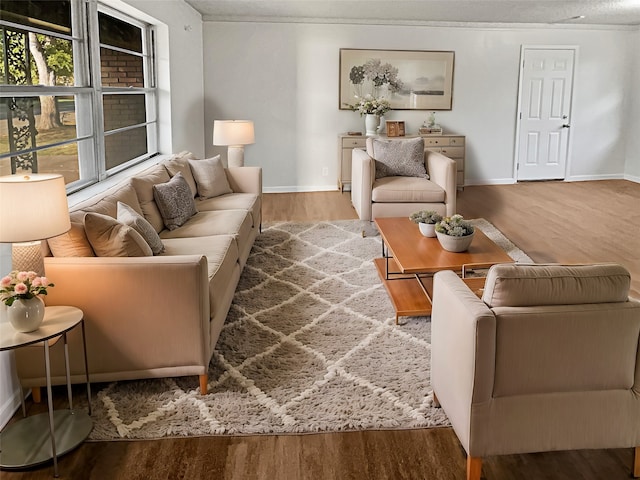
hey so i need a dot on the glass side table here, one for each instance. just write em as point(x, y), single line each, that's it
point(36, 439)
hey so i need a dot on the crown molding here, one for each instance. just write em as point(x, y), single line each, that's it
point(413, 23)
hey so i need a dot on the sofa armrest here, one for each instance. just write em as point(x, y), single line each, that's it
point(245, 179)
point(463, 345)
point(442, 171)
point(362, 177)
point(140, 314)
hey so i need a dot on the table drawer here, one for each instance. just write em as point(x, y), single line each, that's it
point(435, 141)
point(456, 141)
point(354, 142)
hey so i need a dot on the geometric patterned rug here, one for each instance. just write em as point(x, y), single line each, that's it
point(310, 345)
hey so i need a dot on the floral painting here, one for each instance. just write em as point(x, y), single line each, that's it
point(407, 79)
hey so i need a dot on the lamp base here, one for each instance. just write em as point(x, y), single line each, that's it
point(27, 257)
point(235, 156)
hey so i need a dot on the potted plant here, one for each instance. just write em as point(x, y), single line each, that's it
point(20, 292)
point(454, 233)
point(426, 220)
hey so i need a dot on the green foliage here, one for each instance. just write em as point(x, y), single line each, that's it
point(58, 55)
point(425, 216)
point(455, 226)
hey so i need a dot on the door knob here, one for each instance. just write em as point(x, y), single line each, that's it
point(566, 125)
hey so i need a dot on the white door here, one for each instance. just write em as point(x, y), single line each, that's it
point(546, 84)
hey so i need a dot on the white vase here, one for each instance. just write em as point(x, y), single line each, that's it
point(427, 229)
point(26, 315)
point(454, 244)
point(371, 123)
point(382, 125)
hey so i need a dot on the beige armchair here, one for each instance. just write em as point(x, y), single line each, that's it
point(548, 359)
point(399, 196)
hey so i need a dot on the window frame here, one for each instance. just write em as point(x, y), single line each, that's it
point(88, 92)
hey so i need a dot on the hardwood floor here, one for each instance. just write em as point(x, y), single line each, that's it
point(551, 221)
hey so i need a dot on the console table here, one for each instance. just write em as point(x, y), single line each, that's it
point(37, 439)
point(452, 146)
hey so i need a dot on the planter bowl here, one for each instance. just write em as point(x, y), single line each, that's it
point(454, 244)
point(427, 229)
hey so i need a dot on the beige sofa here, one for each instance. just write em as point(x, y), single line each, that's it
point(159, 315)
point(400, 196)
point(548, 359)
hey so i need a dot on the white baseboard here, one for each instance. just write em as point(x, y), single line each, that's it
point(295, 189)
point(9, 387)
point(587, 178)
point(632, 178)
point(493, 181)
point(9, 407)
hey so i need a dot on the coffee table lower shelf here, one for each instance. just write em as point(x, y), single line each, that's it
point(407, 295)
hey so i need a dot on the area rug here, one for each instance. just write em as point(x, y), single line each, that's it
point(310, 345)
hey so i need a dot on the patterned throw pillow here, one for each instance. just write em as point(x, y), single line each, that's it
point(174, 201)
point(211, 180)
point(133, 219)
point(402, 158)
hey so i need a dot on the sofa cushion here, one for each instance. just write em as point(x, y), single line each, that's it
point(133, 219)
point(233, 201)
point(107, 202)
point(110, 238)
point(73, 243)
point(398, 157)
point(174, 201)
point(516, 285)
point(179, 163)
point(210, 178)
point(143, 185)
point(222, 259)
point(204, 224)
point(407, 190)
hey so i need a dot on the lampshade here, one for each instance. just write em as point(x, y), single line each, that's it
point(32, 207)
point(233, 132)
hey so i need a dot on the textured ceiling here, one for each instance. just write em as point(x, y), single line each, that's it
point(595, 12)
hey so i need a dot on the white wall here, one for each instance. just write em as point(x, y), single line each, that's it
point(285, 78)
point(632, 167)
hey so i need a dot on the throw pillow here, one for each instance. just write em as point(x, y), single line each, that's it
point(73, 243)
point(143, 185)
point(402, 158)
point(179, 163)
point(174, 201)
point(210, 177)
point(110, 238)
point(133, 219)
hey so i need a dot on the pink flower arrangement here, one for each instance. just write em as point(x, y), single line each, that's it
point(22, 285)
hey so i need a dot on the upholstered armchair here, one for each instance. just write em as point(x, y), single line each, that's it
point(548, 359)
point(396, 177)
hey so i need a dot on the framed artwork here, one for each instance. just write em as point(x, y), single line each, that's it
point(408, 79)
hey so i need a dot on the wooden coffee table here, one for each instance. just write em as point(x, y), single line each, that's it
point(410, 259)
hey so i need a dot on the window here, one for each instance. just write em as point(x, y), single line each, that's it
point(77, 90)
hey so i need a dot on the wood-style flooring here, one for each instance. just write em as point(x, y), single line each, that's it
point(550, 221)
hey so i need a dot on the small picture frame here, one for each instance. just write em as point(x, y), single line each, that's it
point(395, 128)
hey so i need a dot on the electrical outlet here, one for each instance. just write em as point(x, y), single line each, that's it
point(325, 171)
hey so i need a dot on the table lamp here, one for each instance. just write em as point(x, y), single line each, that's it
point(33, 207)
point(235, 134)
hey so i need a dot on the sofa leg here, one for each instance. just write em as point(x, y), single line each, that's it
point(36, 394)
point(636, 463)
point(203, 384)
point(436, 402)
point(474, 467)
